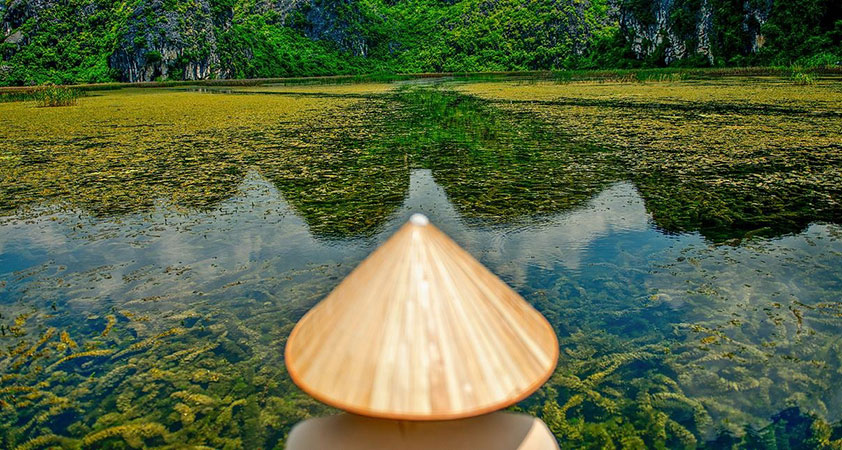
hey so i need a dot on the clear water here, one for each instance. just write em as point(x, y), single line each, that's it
point(658, 327)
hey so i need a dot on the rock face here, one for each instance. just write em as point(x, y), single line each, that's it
point(181, 39)
point(163, 43)
point(655, 30)
point(16, 13)
point(323, 21)
point(676, 29)
point(756, 17)
point(160, 42)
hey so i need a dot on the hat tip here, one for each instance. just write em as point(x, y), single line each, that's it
point(419, 219)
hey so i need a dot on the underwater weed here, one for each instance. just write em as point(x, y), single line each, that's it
point(217, 384)
point(133, 434)
point(48, 441)
point(110, 321)
point(88, 354)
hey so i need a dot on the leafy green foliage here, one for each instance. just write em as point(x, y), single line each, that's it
point(75, 41)
point(642, 11)
point(730, 38)
point(802, 79)
point(277, 51)
point(62, 48)
point(802, 29)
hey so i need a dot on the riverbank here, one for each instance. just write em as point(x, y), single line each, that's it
point(659, 74)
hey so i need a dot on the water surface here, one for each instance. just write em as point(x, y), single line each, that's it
point(157, 246)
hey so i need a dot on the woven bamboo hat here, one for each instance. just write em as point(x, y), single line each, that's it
point(420, 330)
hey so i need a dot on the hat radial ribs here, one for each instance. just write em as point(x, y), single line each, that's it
point(420, 330)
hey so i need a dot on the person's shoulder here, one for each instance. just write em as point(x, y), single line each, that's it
point(496, 431)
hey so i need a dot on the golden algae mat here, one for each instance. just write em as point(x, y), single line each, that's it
point(683, 238)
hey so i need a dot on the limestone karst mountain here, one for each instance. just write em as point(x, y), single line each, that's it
point(144, 40)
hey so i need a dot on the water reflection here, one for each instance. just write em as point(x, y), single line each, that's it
point(542, 244)
point(209, 249)
point(163, 255)
point(343, 161)
point(667, 314)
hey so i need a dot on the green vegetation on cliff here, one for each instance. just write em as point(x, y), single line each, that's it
point(143, 40)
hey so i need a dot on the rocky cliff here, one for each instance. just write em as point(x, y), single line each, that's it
point(141, 40)
point(157, 40)
point(673, 30)
point(663, 27)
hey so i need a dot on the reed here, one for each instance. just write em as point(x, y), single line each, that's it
point(45, 96)
point(52, 96)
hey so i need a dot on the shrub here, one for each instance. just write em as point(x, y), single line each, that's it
point(824, 59)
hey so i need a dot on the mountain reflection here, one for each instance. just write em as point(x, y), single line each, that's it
point(610, 282)
point(260, 224)
point(346, 172)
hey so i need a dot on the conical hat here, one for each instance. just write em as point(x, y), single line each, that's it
point(420, 330)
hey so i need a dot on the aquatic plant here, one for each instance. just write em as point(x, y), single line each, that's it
point(109, 324)
point(717, 162)
point(133, 434)
point(48, 441)
point(493, 166)
point(87, 354)
point(728, 188)
point(51, 96)
point(669, 353)
point(800, 78)
point(18, 95)
point(183, 175)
